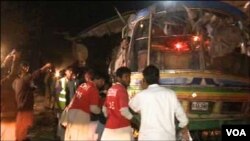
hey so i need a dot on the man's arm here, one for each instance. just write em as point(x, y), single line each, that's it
point(94, 101)
point(180, 114)
point(123, 104)
point(183, 120)
point(95, 109)
point(13, 70)
point(134, 103)
point(104, 110)
point(126, 113)
point(37, 73)
point(6, 59)
point(185, 134)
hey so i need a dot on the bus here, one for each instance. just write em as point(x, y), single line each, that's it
point(203, 53)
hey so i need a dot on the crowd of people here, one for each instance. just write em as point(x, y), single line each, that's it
point(17, 85)
point(90, 107)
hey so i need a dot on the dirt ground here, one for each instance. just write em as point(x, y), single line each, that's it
point(45, 123)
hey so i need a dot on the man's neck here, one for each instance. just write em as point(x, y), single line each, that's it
point(122, 84)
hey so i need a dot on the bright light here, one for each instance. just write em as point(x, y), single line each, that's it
point(194, 95)
point(178, 46)
point(7, 129)
point(169, 3)
point(57, 74)
point(181, 46)
point(141, 25)
point(196, 38)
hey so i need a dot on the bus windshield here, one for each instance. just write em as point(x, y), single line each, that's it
point(177, 43)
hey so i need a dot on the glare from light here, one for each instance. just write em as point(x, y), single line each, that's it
point(178, 45)
point(171, 71)
point(57, 74)
point(196, 38)
point(141, 25)
point(194, 95)
point(167, 3)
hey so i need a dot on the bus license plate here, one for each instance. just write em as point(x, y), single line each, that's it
point(199, 106)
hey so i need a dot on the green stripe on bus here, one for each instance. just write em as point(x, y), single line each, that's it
point(202, 89)
point(201, 124)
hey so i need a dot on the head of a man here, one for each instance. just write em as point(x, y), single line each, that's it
point(99, 80)
point(123, 75)
point(88, 75)
point(151, 75)
point(69, 73)
point(125, 42)
point(24, 67)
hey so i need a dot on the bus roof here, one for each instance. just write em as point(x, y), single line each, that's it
point(171, 6)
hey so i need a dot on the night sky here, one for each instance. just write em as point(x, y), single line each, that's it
point(34, 26)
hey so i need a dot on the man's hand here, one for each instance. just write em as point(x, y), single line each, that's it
point(46, 66)
point(185, 134)
point(6, 59)
point(135, 122)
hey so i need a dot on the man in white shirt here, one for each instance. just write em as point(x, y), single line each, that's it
point(158, 107)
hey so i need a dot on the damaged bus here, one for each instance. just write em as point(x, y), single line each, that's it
point(203, 53)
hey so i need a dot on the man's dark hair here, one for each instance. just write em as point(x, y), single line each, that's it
point(98, 75)
point(24, 64)
point(122, 70)
point(62, 73)
point(70, 68)
point(151, 74)
point(90, 72)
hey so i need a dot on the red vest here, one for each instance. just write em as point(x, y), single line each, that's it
point(86, 94)
point(117, 98)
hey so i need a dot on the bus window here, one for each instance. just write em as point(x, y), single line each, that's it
point(138, 51)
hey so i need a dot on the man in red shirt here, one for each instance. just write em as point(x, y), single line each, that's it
point(116, 108)
point(84, 102)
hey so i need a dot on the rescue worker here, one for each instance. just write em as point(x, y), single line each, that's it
point(84, 102)
point(61, 90)
point(116, 109)
point(64, 92)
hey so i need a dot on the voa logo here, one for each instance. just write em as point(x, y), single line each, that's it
point(236, 132)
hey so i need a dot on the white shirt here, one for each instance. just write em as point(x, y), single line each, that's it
point(158, 107)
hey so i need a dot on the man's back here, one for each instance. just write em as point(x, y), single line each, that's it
point(85, 96)
point(158, 107)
